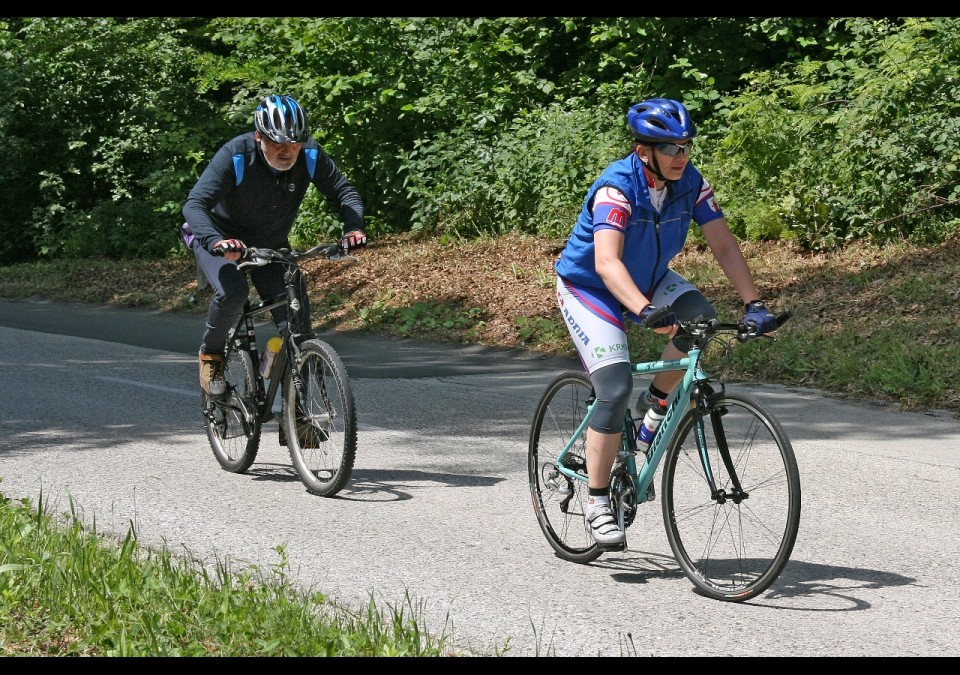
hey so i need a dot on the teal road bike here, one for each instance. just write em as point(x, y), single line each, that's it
point(730, 487)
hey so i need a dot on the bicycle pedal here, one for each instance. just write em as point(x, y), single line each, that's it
point(612, 548)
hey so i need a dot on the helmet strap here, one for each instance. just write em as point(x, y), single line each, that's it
point(656, 169)
point(653, 166)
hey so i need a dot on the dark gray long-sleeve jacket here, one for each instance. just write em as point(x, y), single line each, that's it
point(239, 196)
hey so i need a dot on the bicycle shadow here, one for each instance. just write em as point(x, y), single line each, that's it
point(274, 472)
point(380, 485)
point(799, 579)
point(402, 484)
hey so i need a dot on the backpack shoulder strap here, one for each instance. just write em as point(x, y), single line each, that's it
point(311, 154)
point(238, 164)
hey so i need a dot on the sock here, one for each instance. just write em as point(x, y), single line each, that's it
point(654, 393)
point(602, 498)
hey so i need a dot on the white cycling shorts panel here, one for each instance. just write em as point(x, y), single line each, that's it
point(596, 320)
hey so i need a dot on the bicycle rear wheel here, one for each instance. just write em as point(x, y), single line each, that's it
point(732, 546)
point(558, 501)
point(231, 422)
point(322, 436)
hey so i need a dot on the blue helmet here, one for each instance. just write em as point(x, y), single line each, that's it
point(660, 120)
point(281, 119)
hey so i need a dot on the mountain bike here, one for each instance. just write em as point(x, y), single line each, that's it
point(730, 487)
point(316, 412)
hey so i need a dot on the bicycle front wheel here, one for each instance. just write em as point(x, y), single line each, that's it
point(559, 501)
point(231, 421)
point(734, 543)
point(322, 433)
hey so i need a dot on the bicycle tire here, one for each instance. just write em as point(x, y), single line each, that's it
point(732, 549)
point(558, 501)
point(322, 439)
point(231, 420)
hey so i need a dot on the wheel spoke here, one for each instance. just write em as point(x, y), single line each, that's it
point(231, 422)
point(323, 446)
point(559, 500)
point(732, 548)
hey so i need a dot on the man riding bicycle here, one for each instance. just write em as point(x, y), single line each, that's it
point(250, 195)
point(634, 221)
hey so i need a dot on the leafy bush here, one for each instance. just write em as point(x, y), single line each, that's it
point(103, 117)
point(826, 130)
point(529, 178)
point(862, 146)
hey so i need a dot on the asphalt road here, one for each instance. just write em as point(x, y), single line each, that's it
point(99, 412)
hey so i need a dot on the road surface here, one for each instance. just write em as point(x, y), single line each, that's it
point(99, 410)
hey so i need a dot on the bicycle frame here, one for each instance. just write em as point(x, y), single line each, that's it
point(318, 415)
point(643, 478)
point(246, 327)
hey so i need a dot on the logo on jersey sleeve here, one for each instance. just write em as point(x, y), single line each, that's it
point(611, 207)
point(706, 195)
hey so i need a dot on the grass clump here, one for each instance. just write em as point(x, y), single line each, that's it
point(69, 591)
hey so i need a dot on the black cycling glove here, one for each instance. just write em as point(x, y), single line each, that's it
point(664, 321)
point(353, 239)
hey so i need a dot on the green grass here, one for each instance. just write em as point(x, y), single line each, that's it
point(66, 590)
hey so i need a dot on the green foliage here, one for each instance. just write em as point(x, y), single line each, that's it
point(398, 101)
point(821, 129)
point(864, 145)
point(104, 116)
point(529, 179)
point(442, 317)
point(541, 331)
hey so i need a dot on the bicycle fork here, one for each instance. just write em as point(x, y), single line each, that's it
point(288, 365)
point(705, 408)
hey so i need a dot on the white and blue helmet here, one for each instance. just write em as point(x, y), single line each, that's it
point(281, 119)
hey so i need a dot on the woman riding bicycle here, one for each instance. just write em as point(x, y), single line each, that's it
point(250, 195)
point(615, 266)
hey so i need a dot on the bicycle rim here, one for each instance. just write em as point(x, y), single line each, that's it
point(732, 549)
point(230, 420)
point(322, 436)
point(560, 502)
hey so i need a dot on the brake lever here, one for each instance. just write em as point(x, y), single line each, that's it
point(252, 258)
point(342, 256)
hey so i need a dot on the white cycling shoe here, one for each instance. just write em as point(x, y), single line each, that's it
point(602, 527)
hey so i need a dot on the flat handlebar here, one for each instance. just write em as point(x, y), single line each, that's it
point(257, 257)
point(705, 328)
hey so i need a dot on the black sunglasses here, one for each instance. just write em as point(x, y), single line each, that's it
point(674, 149)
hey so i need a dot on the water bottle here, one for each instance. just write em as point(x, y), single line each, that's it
point(269, 356)
point(651, 422)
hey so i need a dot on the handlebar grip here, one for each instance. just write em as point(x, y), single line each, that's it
point(784, 316)
point(225, 246)
point(749, 331)
point(245, 254)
